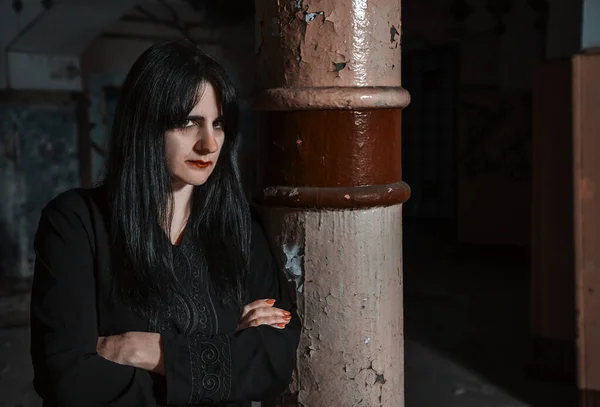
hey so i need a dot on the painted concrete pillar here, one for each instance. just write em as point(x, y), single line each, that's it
point(330, 102)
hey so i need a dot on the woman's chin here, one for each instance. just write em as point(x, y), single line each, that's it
point(193, 181)
point(197, 181)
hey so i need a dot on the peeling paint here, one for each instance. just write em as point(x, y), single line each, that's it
point(339, 66)
point(311, 16)
point(324, 29)
point(393, 33)
point(293, 266)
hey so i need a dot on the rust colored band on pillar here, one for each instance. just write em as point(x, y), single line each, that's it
point(332, 148)
point(333, 158)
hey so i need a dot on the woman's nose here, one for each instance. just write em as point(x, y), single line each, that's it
point(207, 142)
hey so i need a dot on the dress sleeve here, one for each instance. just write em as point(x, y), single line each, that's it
point(252, 364)
point(68, 372)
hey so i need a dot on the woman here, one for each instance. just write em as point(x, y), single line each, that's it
point(157, 287)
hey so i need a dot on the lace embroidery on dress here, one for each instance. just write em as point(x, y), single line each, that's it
point(210, 363)
point(210, 354)
point(192, 313)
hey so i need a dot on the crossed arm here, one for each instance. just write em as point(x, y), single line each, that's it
point(144, 350)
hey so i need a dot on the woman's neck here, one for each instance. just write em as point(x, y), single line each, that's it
point(180, 207)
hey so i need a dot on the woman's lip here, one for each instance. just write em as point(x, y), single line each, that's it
point(198, 163)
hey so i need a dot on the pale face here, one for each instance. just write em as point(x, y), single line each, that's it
point(193, 151)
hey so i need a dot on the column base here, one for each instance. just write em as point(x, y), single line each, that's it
point(347, 270)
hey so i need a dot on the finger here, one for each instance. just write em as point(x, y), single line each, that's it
point(279, 326)
point(266, 313)
point(265, 320)
point(267, 303)
point(263, 312)
point(270, 320)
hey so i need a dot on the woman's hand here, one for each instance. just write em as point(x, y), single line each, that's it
point(262, 312)
point(137, 349)
point(114, 348)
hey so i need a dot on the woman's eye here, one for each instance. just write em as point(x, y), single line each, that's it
point(218, 125)
point(189, 123)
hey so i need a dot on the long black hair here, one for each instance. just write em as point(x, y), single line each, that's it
point(159, 92)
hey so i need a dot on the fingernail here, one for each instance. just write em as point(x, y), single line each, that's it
point(288, 317)
point(280, 325)
point(287, 313)
point(270, 302)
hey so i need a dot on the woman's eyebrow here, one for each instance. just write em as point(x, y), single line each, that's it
point(201, 118)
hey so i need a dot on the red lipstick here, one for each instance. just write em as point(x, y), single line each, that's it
point(198, 163)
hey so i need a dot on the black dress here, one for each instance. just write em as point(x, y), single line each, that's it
point(72, 305)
